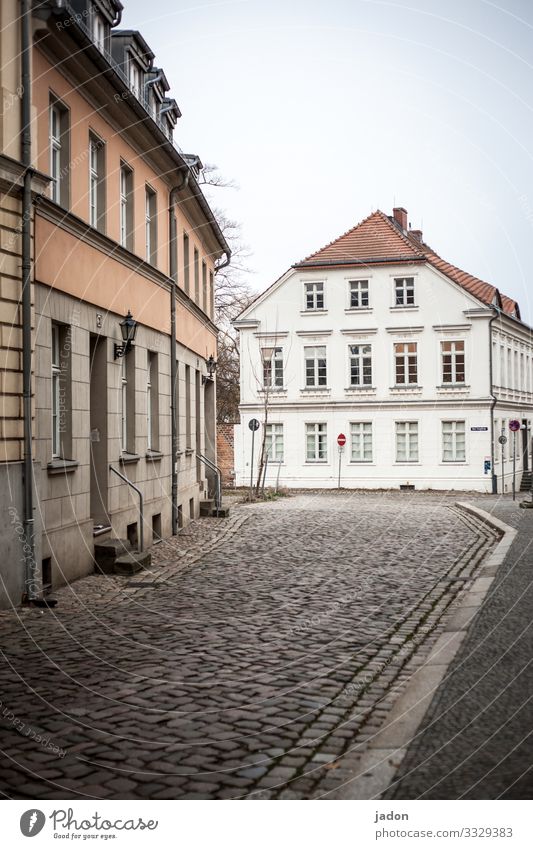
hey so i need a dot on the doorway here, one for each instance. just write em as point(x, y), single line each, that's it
point(98, 431)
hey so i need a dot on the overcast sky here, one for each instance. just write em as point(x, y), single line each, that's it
point(325, 110)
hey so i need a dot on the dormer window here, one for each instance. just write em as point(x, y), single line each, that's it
point(99, 31)
point(134, 77)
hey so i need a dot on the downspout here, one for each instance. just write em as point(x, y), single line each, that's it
point(492, 406)
point(32, 590)
point(173, 268)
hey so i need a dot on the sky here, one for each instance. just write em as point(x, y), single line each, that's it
point(324, 110)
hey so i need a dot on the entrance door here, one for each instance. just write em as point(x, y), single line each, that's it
point(98, 426)
point(525, 446)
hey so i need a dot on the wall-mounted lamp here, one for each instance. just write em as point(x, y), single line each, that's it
point(128, 328)
point(211, 366)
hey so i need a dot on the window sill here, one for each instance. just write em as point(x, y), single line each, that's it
point(453, 387)
point(316, 462)
point(406, 387)
point(126, 458)
point(404, 307)
point(352, 310)
point(361, 389)
point(407, 463)
point(58, 466)
point(154, 455)
point(272, 390)
point(454, 463)
point(361, 463)
point(312, 390)
point(314, 312)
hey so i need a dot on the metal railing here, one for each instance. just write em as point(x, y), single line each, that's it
point(141, 504)
point(218, 486)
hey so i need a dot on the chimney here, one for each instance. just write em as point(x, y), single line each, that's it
point(417, 234)
point(400, 216)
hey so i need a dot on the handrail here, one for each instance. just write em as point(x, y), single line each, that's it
point(214, 468)
point(141, 506)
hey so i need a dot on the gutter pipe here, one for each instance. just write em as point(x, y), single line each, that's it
point(32, 589)
point(492, 406)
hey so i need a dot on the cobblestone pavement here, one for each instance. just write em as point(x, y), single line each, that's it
point(254, 659)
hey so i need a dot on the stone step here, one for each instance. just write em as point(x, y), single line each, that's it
point(206, 506)
point(221, 513)
point(106, 552)
point(132, 562)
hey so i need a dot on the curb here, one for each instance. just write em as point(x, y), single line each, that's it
point(385, 752)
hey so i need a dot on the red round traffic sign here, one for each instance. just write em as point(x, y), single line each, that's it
point(514, 425)
point(341, 440)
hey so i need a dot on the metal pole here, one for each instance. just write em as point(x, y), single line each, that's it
point(264, 475)
point(503, 464)
point(252, 468)
point(514, 465)
point(340, 455)
point(141, 503)
point(277, 477)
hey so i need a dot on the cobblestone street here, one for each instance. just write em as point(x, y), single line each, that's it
point(254, 660)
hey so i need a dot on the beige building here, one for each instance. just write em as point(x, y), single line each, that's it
point(102, 216)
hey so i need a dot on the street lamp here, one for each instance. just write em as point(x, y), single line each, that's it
point(128, 329)
point(211, 365)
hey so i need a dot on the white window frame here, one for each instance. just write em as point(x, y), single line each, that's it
point(361, 289)
point(126, 198)
point(318, 432)
point(150, 222)
point(450, 426)
point(453, 353)
point(311, 355)
point(149, 365)
point(314, 290)
point(55, 151)
point(273, 369)
point(134, 76)
point(362, 361)
point(409, 429)
point(361, 436)
point(274, 442)
point(405, 288)
point(56, 379)
point(94, 179)
point(403, 358)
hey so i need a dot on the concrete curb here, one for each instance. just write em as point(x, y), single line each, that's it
point(385, 752)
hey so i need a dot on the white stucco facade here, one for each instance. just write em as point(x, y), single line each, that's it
point(410, 415)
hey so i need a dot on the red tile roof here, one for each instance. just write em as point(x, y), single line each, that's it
point(379, 239)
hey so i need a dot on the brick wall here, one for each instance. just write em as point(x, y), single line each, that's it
point(225, 452)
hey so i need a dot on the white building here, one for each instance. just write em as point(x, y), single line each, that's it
point(418, 363)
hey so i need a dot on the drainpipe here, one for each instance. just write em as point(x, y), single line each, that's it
point(174, 278)
point(492, 406)
point(30, 566)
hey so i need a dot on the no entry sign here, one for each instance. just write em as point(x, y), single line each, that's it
point(341, 440)
point(514, 425)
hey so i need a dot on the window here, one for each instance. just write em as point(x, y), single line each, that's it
point(123, 405)
point(99, 31)
point(196, 276)
point(358, 294)
point(126, 207)
point(134, 77)
point(151, 225)
point(59, 152)
point(186, 263)
point(212, 293)
point(274, 443)
point(315, 366)
point(406, 442)
point(453, 442)
point(188, 409)
point(404, 291)
point(361, 436)
point(272, 367)
point(314, 296)
point(96, 183)
point(453, 362)
point(56, 391)
point(360, 365)
point(152, 402)
point(316, 442)
point(204, 286)
point(61, 391)
point(405, 361)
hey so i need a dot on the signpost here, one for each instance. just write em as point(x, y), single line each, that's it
point(341, 442)
point(253, 424)
point(514, 426)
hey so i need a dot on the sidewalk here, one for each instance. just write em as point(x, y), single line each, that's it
point(476, 738)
